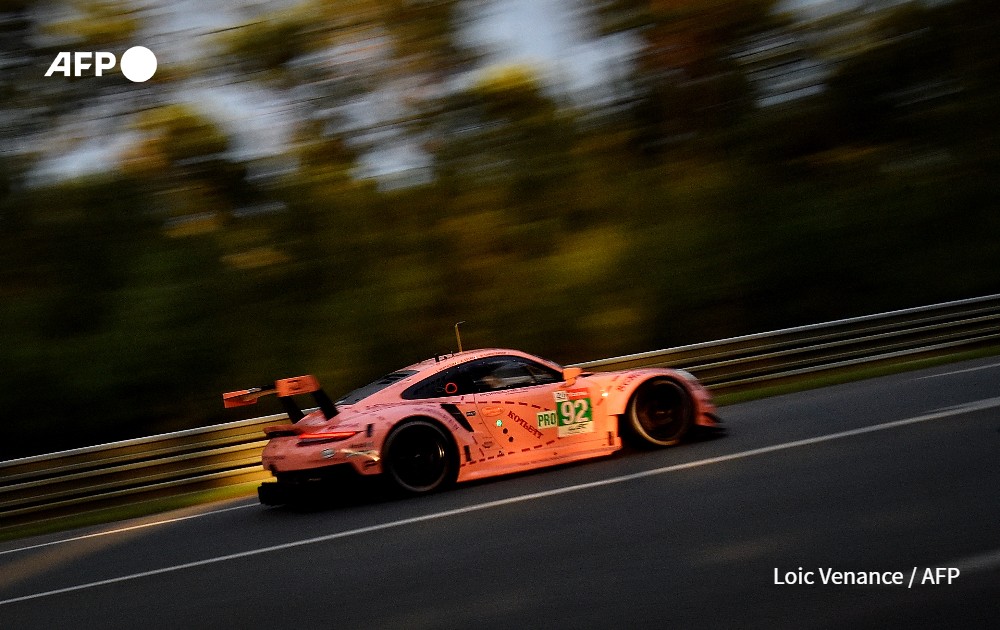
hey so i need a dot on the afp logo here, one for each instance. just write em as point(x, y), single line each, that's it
point(138, 64)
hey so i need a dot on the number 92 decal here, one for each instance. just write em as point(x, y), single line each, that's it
point(574, 411)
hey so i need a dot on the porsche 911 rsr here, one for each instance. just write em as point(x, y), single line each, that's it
point(472, 415)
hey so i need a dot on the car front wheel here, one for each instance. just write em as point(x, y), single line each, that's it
point(659, 413)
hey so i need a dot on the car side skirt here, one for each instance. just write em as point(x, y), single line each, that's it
point(515, 462)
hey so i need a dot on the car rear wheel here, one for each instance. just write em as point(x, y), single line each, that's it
point(418, 457)
point(659, 413)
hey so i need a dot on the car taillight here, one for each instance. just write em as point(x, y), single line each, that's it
point(326, 436)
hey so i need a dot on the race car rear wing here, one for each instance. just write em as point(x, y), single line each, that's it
point(285, 388)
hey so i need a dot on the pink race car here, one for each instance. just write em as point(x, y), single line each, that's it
point(470, 415)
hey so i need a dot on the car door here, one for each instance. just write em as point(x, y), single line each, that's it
point(529, 409)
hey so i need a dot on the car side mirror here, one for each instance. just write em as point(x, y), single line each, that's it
point(570, 374)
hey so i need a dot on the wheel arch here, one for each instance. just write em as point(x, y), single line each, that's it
point(423, 463)
point(622, 394)
point(449, 434)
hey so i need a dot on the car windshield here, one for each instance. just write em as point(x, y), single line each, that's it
point(361, 393)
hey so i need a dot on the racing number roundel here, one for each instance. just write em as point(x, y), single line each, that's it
point(574, 412)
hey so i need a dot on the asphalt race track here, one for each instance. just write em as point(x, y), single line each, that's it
point(897, 477)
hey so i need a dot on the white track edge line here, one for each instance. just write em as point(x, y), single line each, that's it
point(953, 372)
point(122, 530)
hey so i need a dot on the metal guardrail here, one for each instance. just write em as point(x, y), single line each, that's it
point(47, 486)
point(131, 471)
point(751, 360)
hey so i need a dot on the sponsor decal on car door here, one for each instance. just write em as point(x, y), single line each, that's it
point(511, 416)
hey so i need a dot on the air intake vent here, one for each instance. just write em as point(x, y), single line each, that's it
point(457, 414)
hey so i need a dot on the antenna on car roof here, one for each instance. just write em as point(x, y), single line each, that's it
point(458, 335)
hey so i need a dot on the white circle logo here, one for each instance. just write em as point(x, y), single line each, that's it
point(138, 64)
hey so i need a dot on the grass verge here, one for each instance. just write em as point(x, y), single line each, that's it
point(127, 512)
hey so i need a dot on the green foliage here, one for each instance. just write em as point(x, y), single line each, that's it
point(181, 133)
point(99, 23)
point(269, 42)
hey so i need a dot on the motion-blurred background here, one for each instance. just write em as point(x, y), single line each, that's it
point(327, 187)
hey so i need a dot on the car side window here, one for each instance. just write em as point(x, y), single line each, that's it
point(451, 382)
point(544, 375)
point(490, 374)
point(499, 373)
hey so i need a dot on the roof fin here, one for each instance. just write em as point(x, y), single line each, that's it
point(458, 335)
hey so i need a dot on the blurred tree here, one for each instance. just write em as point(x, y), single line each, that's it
point(27, 102)
point(686, 77)
point(502, 129)
point(181, 135)
point(99, 24)
point(973, 114)
point(186, 154)
point(333, 52)
point(902, 68)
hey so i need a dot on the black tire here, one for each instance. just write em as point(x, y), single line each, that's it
point(418, 457)
point(659, 414)
point(272, 493)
